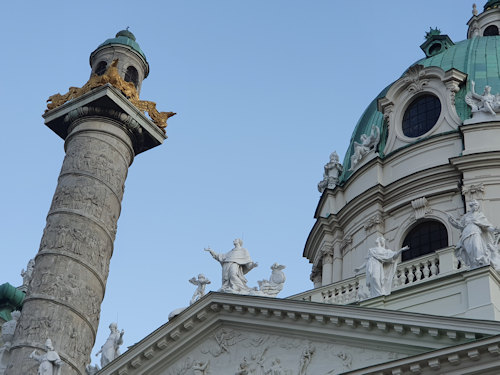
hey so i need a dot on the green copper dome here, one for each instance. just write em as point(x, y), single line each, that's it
point(478, 57)
point(126, 38)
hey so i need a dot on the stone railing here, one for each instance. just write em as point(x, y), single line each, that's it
point(440, 263)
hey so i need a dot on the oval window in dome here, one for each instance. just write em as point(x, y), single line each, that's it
point(421, 115)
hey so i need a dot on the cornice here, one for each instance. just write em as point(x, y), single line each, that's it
point(483, 354)
point(314, 320)
point(489, 159)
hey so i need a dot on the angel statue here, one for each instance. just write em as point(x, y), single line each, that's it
point(368, 142)
point(487, 102)
point(201, 282)
point(476, 246)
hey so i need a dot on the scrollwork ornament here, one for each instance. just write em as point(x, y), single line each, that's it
point(413, 78)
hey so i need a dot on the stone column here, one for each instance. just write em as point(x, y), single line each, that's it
point(64, 299)
point(327, 266)
point(337, 265)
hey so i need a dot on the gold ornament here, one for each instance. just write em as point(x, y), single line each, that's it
point(128, 89)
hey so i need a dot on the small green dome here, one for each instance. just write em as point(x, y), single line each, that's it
point(125, 33)
point(477, 57)
point(126, 38)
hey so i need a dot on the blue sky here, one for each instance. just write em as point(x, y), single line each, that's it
point(264, 91)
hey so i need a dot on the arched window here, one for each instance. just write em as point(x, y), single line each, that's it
point(101, 68)
point(131, 75)
point(491, 30)
point(424, 238)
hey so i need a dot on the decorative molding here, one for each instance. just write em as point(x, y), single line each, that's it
point(414, 78)
point(327, 252)
point(375, 220)
point(473, 191)
point(346, 241)
point(421, 207)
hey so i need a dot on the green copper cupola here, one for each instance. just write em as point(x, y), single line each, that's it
point(132, 64)
point(435, 43)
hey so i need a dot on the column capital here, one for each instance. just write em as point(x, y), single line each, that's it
point(107, 101)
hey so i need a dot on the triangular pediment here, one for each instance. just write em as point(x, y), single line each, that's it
point(226, 332)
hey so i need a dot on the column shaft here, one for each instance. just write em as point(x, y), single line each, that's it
point(64, 299)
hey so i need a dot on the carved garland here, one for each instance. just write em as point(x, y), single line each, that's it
point(128, 89)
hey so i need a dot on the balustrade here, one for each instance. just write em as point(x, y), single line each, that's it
point(420, 270)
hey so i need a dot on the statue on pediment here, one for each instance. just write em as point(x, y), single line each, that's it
point(201, 283)
point(331, 174)
point(111, 348)
point(477, 245)
point(275, 283)
point(380, 265)
point(235, 264)
point(368, 143)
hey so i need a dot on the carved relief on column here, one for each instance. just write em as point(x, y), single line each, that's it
point(421, 207)
point(88, 197)
point(375, 223)
point(69, 278)
point(90, 157)
point(473, 191)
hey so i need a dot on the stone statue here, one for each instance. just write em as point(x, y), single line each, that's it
point(306, 358)
point(8, 329)
point(380, 268)
point(476, 246)
point(200, 368)
point(91, 370)
point(235, 264)
point(28, 274)
point(275, 368)
point(201, 282)
point(275, 283)
point(50, 363)
point(487, 102)
point(368, 142)
point(110, 350)
point(332, 172)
